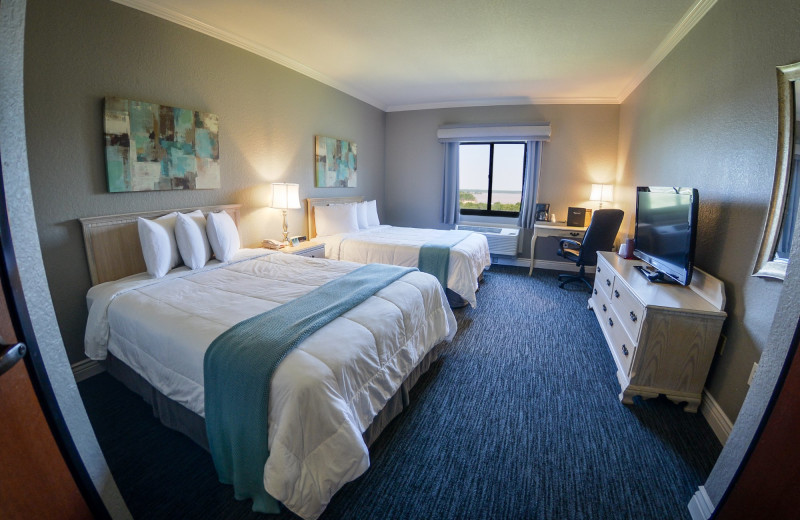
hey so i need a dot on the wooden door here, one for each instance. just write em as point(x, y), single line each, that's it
point(35, 481)
point(766, 485)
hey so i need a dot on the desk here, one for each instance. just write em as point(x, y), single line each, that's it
point(552, 261)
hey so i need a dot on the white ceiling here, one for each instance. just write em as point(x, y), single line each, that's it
point(414, 54)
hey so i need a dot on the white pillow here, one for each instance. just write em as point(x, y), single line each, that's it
point(361, 212)
point(222, 235)
point(158, 244)
point(335, 219)
point(190, 233)
point(372, 213)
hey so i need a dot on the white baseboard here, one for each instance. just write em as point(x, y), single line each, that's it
point(700, 506)
point(86, 369)
point(715, 417)
point(510, 260)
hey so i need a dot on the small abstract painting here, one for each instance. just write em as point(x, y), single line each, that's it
point(156, 147)
point(335, 163)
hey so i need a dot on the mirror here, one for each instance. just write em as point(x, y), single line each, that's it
point(773, 257)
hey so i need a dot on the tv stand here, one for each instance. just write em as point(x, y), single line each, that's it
point(662, 337)
point(654, 275)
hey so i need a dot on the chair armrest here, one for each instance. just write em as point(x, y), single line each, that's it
point(564, 242)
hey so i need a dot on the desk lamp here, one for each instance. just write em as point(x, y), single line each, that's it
point(602, 193)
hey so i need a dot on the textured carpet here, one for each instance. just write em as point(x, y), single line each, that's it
point(519, 419)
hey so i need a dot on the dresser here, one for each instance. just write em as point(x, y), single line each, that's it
point(547, 235)
point(662, 337)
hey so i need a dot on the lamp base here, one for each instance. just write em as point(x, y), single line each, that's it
point(285, 229)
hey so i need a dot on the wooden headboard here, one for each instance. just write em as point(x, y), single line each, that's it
point(112, 242)
point(311, 203)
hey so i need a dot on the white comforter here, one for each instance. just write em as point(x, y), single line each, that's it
point(327, 390)
point(400, 246)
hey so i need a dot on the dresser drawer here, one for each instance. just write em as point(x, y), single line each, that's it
point(623, 347)
point(317, 252)
point(628, 308)
point(601, 305)
point(603, 278)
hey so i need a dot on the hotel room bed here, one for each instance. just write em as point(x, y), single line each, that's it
point(401, 246)
point(330, 396)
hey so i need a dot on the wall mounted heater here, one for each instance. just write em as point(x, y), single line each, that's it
point(502, 240)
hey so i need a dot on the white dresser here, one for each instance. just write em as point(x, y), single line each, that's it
point(662, 337)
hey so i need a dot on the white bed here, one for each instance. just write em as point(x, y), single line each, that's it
point(401, 245)
point(326, 392)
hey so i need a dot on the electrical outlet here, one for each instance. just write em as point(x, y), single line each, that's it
point(752, 373)
point(723, 339)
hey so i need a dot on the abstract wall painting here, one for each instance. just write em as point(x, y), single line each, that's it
point(335, 163)
point(156, 147)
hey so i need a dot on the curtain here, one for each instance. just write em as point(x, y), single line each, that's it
point(450, 202)
point(530, 183)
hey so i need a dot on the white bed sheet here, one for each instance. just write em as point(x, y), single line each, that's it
point(327, 390)
point(400, 246)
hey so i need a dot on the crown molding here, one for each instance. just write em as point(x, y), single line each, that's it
point(487, 102)
point(153, 8)
point(681, 29)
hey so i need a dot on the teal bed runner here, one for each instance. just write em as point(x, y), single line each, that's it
point(434, 256)
point(238, 367)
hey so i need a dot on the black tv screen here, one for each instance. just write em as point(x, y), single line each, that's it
point(666, 229)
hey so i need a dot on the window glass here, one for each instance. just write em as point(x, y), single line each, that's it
point(491, 174)
point(473, 171)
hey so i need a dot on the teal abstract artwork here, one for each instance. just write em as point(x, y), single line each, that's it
point(157, 147)
point(335, 163)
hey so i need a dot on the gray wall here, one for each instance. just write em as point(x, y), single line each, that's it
point(582, 151)
point(80, 51)
point(707, 117)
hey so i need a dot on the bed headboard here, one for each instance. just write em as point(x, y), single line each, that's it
point(311, 203)
point(112, 242)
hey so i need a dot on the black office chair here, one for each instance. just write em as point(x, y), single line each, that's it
point(599, 237)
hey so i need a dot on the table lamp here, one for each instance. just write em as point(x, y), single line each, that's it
point(602, 193)
point(285, 196)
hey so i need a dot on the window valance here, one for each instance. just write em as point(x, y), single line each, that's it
point(494, 132)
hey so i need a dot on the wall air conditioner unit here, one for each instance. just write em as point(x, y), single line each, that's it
point(502, 239)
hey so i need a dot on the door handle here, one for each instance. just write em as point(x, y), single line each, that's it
point(12, 355)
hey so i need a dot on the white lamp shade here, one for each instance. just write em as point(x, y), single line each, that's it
point(285, 195)
point(602, 192)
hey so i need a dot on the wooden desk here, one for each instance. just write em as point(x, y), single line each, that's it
point(559, 230)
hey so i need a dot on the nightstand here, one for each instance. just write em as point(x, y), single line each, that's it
point(310, 249)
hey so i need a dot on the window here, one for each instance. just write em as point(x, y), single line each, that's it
point(490, 178)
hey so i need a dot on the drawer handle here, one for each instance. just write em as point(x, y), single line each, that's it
point(616, 293)
point(595, 291)
point(633, 317)
point(608, 282)
point(573, 234)
point(624, 350)
point(611, 323)
point(604, 307)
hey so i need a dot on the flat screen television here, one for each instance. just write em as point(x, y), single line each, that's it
point(666, 231)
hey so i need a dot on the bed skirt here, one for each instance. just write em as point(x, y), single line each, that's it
point(177, 417)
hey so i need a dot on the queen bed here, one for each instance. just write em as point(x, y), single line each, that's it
point(330, 396)
point(367, 242)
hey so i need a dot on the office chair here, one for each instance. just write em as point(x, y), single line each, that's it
point(599, 236)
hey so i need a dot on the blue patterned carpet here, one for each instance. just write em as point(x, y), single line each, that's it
point(519, 419)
